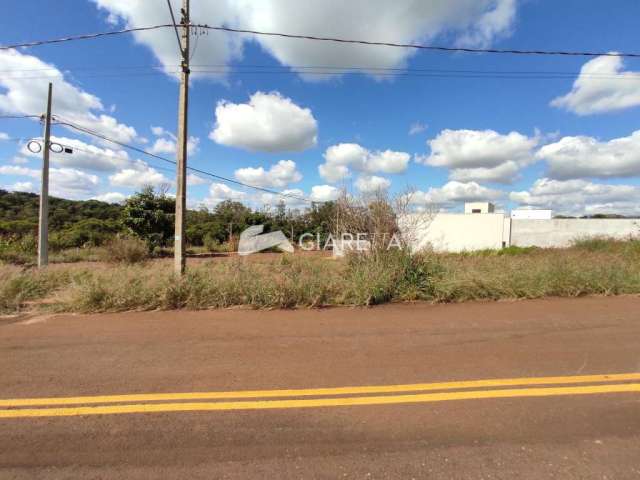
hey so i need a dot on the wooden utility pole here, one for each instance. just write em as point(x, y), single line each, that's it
point(181, 154)
point(43, 218)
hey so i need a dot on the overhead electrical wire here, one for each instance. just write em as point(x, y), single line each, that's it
point(88, 36)
point(88, 131)
point(328, 39)
point(337, 71)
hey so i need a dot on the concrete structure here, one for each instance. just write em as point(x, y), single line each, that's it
point(561, 232)
point(531, 214)
point(451, 232)
point(479, 207)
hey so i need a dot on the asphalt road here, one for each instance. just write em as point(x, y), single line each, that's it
point(533, 389)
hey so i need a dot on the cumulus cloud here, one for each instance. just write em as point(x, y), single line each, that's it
point(469, 22)
point(454, 192)
point(111, 197)
point(19, 171)
point(465, 22)
point(372, 183)
point(575, 157)
point(137, 176)
point(339, 159)
point(193, 180)
point(268, 123)
point(279, 175)
point(214, 48)
point(22, 187)
point(167, 141)
point(579, 197)
point(168, 145)
point(84, 156)
point(219, 192)
point(480, 155)
point(63, 182)
point(602, 86)
point(324, 193)
point(27, 95)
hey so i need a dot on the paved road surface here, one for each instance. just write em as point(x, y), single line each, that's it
point(254, 394)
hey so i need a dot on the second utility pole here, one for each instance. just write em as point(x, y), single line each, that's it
point(181, 153)
point(43, 217)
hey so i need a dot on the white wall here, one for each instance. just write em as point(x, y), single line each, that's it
point(562, 232)
point(451, 232)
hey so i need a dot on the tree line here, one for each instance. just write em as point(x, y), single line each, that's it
point(149, 215)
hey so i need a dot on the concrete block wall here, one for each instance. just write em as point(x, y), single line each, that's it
point(460, 232)
point(562, 232)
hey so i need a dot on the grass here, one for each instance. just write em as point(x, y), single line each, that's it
point(587, 268)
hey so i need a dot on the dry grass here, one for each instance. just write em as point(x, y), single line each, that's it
point(285, 281)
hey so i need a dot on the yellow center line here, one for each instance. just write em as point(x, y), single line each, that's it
point(308, 392)
point(320, 402)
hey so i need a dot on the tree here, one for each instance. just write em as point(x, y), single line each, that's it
point(150, 215)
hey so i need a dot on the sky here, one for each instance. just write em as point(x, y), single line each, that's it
point(310, 118)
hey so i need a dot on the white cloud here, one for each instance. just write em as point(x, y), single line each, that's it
point(454, 192)
point(111, 197)
point(466, 22)
point(71, 183)
point(63, 182)
point(482, 155)
point(602, 86)
point(469, 22)
point(4, 136)
point(193, 180)
point(324, 193)
point(18, 160)
point(279, 175)
point(23, 187)
point(85, 156)
point(372, 183)
point(19, 171)
point(416, 128)
point(27, 95)
point(213, 48)
point(578, 197)
point(138, 176)
point(160, 132)
point(339, 159)
point(268, 123)
point(168, 145)
point(219, 192)
point(575, 157)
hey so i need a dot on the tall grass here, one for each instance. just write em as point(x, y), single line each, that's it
point(289, 282)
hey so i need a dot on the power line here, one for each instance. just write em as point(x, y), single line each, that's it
point(330, 39)
point(164, 159)
point(391, 73)
point(19, 116)
point(88, 36)
point(421, 47)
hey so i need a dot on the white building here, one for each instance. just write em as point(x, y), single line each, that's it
point(479, 207)
point(457, 232)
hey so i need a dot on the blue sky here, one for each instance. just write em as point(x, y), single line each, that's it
point(493, 138)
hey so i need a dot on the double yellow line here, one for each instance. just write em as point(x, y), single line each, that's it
point(326, 397)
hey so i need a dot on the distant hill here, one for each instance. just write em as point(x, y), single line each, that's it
point(19, 211)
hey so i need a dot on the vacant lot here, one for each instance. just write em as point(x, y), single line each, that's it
point(593, 267)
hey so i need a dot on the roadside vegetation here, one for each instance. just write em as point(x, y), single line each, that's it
point(596, 267)
point(115, 262)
